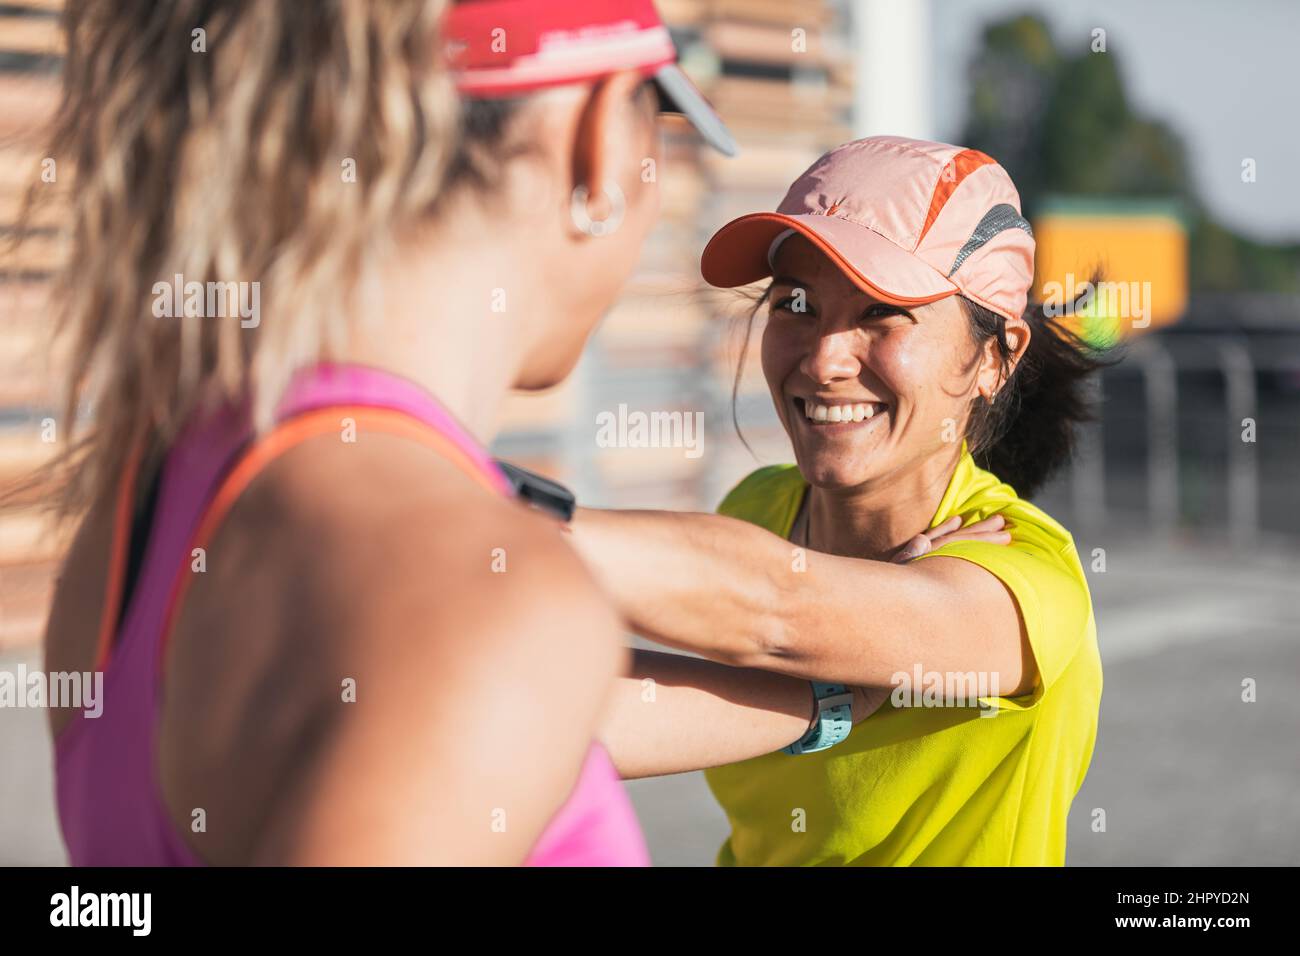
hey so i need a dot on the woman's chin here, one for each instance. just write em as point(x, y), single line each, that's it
point(850, 465)
point(833, 475)
point(548, 371)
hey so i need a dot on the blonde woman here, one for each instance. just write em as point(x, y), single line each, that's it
point(286, 565)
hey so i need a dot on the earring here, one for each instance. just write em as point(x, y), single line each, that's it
point(582, 217)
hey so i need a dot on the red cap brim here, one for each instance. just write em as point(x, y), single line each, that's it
point(500, 48)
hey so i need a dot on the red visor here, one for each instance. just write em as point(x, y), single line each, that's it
point(511, 47)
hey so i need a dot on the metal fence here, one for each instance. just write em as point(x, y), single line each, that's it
point(1244, 346)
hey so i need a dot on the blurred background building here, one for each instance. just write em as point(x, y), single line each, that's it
point(1151, 142)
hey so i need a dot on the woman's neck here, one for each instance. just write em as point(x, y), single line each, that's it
point(433, 323)
point(874, 519)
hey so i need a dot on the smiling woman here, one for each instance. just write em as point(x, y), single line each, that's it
point(901, 353)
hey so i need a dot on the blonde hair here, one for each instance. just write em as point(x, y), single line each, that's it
point(213, 139)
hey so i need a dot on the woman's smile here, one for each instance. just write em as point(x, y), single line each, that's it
point(837, 420)
point(823, 416)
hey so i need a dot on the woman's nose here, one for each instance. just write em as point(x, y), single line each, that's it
point(832, 356)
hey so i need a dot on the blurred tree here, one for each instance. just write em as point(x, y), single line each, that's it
point(1061, 124)
point(1011, 83)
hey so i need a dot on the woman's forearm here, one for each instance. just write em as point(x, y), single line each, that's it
point(701, 582)
point(737, 594)
point(674, 713)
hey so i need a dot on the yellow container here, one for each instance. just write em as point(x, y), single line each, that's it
point(1138, 247)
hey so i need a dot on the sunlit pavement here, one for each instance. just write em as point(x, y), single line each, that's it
point(1184, 770)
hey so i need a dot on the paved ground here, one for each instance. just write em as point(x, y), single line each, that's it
point(1186, 772)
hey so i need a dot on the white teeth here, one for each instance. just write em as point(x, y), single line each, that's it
point(840, 413)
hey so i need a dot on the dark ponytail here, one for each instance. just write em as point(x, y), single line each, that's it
point(1027, 432)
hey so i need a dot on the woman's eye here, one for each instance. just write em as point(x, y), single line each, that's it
point(881, 310)
point(791, 304)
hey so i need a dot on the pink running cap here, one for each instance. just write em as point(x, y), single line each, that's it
point(909, 221)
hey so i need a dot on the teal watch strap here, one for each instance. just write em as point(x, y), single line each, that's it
point(834, 719)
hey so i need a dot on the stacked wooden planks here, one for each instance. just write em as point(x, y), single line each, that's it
point(30, 426)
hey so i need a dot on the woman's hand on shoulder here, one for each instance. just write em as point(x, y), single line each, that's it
point(992, 530)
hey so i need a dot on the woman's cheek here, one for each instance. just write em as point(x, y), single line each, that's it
point(916, 373)
point(900, 364)
point(779, 354)
point(950, 388)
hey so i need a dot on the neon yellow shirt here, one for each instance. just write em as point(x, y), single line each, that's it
point(927, 785)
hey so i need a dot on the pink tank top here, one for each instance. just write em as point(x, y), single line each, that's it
point(110, 801)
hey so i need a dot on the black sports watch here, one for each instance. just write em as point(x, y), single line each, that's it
point(540, 492)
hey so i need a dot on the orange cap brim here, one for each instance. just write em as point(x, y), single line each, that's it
point(737, 255)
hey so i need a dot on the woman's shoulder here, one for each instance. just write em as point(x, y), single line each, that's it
point(1040, 567)
point(397, 576)
point(981, 494)
point(388, 553)
point(403, 517)
point(1041, 558)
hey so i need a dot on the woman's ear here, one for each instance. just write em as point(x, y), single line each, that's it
point(604, 148)
point(993, 372)
point(1018, 335)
